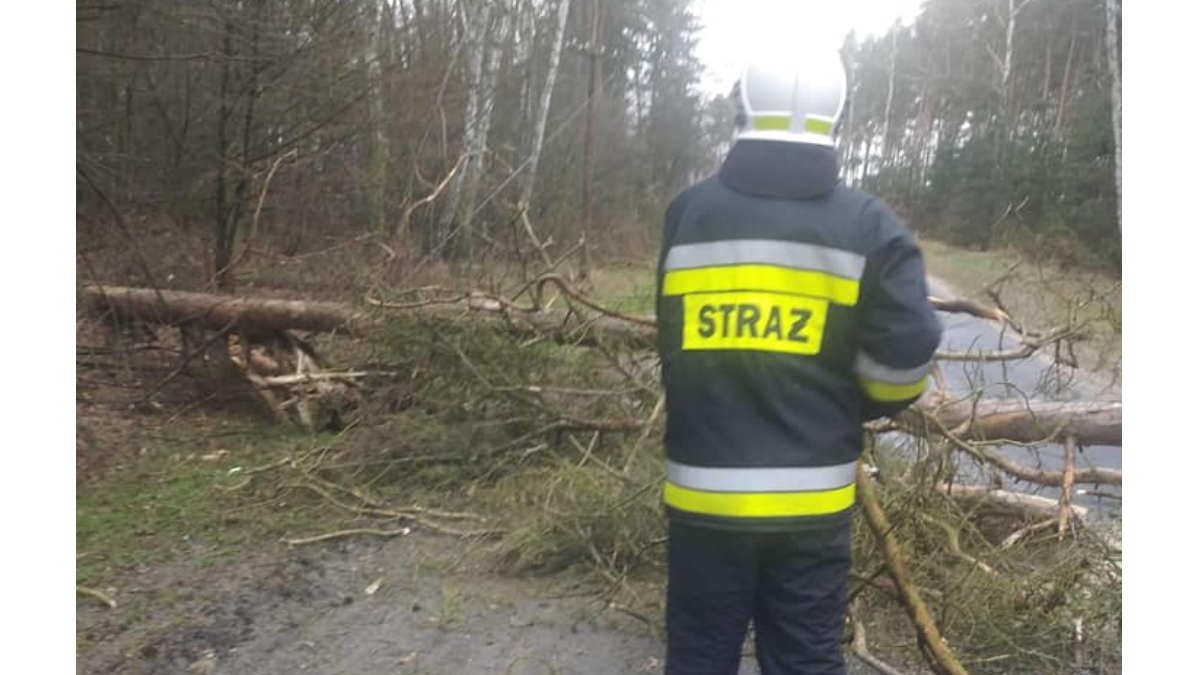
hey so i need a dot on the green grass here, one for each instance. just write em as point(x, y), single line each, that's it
point(180, 499)
point(628, 288)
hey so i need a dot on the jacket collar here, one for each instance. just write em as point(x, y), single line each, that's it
point(780, 170)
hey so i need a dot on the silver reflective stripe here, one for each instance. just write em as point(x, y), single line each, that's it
point(766, 252)
point(774, 479)
point(869, 367)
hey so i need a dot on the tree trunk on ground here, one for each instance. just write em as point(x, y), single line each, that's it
point(1018, 420)
point(1022, 421)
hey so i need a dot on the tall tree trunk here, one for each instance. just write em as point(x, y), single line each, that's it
point(1049, 62)
point(223, 211)
point(887, 108)
point(1111, 39)
point(1010, 30)
point(242, 187)
point(867, 154)
point(377, 178)
point(846, 136)
point(419, 25)
point(593, 91)
point(1007, 90)
point(543, 114)
point(476, 34)
point(473, 171)
point(1065, 86)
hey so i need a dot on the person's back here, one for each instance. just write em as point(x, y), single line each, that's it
point(791, 309)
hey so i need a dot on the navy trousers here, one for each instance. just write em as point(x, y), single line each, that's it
point(792, 585)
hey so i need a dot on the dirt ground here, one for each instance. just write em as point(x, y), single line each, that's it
point(204, 586)
point(364, 607)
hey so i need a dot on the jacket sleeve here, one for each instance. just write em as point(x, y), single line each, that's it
point(670, 226)
point(899, 329)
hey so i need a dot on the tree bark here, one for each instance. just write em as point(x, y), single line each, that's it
point(1021, 421)
point(539, 130)
point(1111, 41)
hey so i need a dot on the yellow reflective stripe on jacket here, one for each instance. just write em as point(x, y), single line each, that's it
point(759, 504)
point(888, 392)
point(838, 290)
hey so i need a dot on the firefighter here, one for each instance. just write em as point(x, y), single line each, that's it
point(791, 309)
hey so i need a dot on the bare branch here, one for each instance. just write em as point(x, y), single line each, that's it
point(965, 306)
point(262, 197)
point(146, 57)
point(375, 532)
point(1068, 481)
point(1008, 503)
point(942, 658)
point(406, 217)
point(859, 645)
point(97, 595)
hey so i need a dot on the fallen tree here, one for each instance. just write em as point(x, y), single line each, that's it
point(1016, 420)
point(260, 315)
point(220, 312)
point(573, 449)
point(1024, 421)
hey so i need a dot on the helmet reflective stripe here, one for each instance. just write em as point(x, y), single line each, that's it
point(813, 124)
point(796, 100)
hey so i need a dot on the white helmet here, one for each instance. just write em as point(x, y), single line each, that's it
point(796, 99)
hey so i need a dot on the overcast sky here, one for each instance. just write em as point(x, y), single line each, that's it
point(732, 28)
